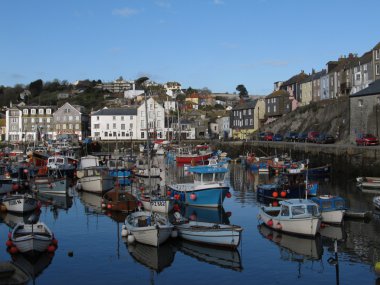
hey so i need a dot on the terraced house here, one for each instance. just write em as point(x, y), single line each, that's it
point(245, 118)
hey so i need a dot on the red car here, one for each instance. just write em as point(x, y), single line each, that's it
point(268, 136)
point(367, 139)
point(312, 136)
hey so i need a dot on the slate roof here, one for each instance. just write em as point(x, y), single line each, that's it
point(245, 105)
point(116, 112)
point(278, 93)
point(372, 89)
point(296, 79)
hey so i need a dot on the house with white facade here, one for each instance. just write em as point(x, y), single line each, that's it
point(225, 131)
point(151, 123)
point(115, 124)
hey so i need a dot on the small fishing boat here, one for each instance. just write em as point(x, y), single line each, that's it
point(368, 182)
point(31, 237)
point(156, 203)
point(61, 164)
point(376, 202)
point(147, 228)
point(295, 216)
point(93, 177)
point(209, 188)
point(332, 208)
point(208, 233)
point(20, 203)
point(193, 155)
point(119, 200)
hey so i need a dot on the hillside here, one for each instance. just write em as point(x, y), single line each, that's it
point(328, 116)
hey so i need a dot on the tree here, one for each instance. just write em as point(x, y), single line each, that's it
point(243, 93)
point(36, 87)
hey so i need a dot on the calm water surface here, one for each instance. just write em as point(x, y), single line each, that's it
point(100, 255)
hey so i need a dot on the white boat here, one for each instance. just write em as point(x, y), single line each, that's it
point(295, 216)
point(20, 203)
point(157, 203)
point(332, 208)
point(148, 228)
point(50, 184)
point(368, 182)
point(31, 237)
point(210, 233)
point(93, 177)
point(61, 164)
point(376, 202)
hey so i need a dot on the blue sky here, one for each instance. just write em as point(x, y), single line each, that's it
point(217, 44)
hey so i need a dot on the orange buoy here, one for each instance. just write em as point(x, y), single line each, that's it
point(275, 204)
point(193, 196)
point(9, 243)
point(228, 195)
point(13, 250)
point(51, 248)
point(283, 194)
point(270, 223)
point(275, 194)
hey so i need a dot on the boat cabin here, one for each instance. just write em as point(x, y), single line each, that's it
point(298, 208)
point(330, 203)
point(208, 175)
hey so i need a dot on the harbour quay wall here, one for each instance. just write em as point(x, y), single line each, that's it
point(347, 158)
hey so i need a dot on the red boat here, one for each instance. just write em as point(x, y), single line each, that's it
point(201, 153)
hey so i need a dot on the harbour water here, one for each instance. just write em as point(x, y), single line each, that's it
point(92, 251)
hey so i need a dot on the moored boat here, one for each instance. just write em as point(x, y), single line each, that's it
point(376, 202)
point(332, 208)
point(295, 216)
point(147, 228)
point(208, 189)
point(209, 233)
point(119, 200)
point(20, 203)
point(31, 237)
point(368, 182)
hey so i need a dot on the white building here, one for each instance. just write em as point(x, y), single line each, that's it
point(115, 124)
point(224, 127)
point(156, 120)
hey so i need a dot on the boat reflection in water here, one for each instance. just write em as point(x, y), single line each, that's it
point(60, 201)
point(11, 218)
point(333, 232)
point(92, 202)
point(34, 265)
point(222, 257)
point(154, 258)
point(205, 214)
point(294, 248)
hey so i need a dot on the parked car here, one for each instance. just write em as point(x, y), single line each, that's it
point(268, 136)
point(260, 136)
point(367, 139)
point(325, 138)
point(302, 137)
point(312, 136)
point(291, 136)
point(277, 138)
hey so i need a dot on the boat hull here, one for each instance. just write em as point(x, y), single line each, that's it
point(305, 226)
point(188, 158)
point(31, 237)
point(51, 186)
point(96, 184)
point(155, 204)
point(203, 197)
point(210, 233)
point(144, 230)
point(333, 217)
point(20, 203)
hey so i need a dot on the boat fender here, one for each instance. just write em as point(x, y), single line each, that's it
point(131, 239)
point(270, 223)
point(279, 226)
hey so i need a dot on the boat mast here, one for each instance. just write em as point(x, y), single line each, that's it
point(147, 137)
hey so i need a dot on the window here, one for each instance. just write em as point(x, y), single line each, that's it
point(251, 122)
point(244, 112)
point(114, 125)
point(97, 118)
point(142, 135)
point(114, 118)
point(77, 118)
point(77, 126)
point(158, 123)
point(131, 117)
point(123, 134)
point(122, 126)
point(33, 111)
point(41, 111)
point(96, 126)
point(40, 120)
point(14, 120)
point(48, 120)
point(122, 118)
point(57, 126)
point(143, 124)
point(357, 77)
point(377, 54)
point(246, 122)
point(64, 126)
point(274, 108)
point(377, 69)
point(268, 111)
point(249, 111)
point(360, 102)
point(25, 111)
point(48, 111)
point(32, 120)
point(70, 126)
point(108, 126)
point(70, 118)
point(131, 126)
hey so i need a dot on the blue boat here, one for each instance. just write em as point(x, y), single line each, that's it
point(287, 186)
point(331, 207)
point(208, 189)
